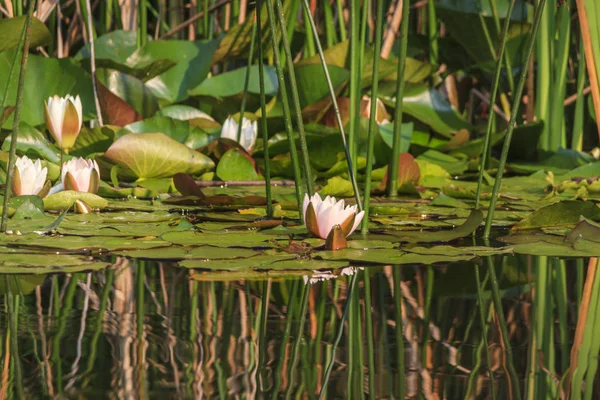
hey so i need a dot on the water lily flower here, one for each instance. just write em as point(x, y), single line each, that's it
point(29, 178)
point(81, 175)
point(249, 132)
point(64, 117)
point(330, 219)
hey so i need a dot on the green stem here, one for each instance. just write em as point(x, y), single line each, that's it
point(25, 38)
point(544, 57)
point(432, 30)
point(393, 172)
point(512, 122)
point(399, 331)
point(285, 105)
point(142, 32)
point(578, 117)
point(297, 340)
point(354, 80)
point(336, 109)
point(502, 321)
point(484, 329)
point(493, 95)
point(373, 118)
point(266, 287)
point(309, 41)
point(509, 71)
point(557, 137)
point(330, 33)
point(338, 337)
point(263, 114)
point(296, 101)
point(341, 22)
point(246, 83)
point(370, 340)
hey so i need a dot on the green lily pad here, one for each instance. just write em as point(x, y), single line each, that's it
point(563, 213)
point(155, 155)
point(231, 83)
point(10, 32)
point(235, 166)
point(468, 227)
point(65, 199)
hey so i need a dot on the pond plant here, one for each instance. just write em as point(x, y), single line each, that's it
point(219, 157)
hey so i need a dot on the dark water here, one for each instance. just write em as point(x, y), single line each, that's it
point(151, 330)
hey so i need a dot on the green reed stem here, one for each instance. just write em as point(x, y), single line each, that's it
point(24, 40)
point(289, 318)
point(338, 337)
point(398, 107)
point(514, 378)
point(432, 30)
point(355, 378)
point(354, 80)
point(341, 22)
point(66, 308)
point(429, 283)
point(142, 32)
point(262, 333)
point(484, 330)
point(263, 113)
point(247, 82)
point(513, 116)
point(330, 33)
point(507, 61)
point(382, 282)
point(336, 109)
point(285, 105)
point(544, 57)
point(297, 340)
point(309, 41)
point(557, 134)
point(370, 337)
point(579, 116)
point(296, 101)
point(110, 276)
point(13, 313)
point(397, 279)
point(561, 300)
point(290, 27)
point(373, 118)
point(494, 93)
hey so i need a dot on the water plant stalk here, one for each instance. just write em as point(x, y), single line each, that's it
point(296, 347)
point(369, 325)
point(341, 22)
point(556, 123)
point(494, 92)
point(512, 122)
point(432, 31)
point(338, 337)
point(544, 57)
point(354, 80)
point(263, 114)
point(284, 103)
point(90, 28)
point(142, 31)
point(24, 40)
point(484, 328)
point(497, 299)
point(373, 115)
point(507, 60)
point(579, 116)
point(336, 109)
point(246, 82)
point(397, 140)
point(295, 100)
point(397, 278)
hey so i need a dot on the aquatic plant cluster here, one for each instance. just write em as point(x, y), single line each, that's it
point(311, 142)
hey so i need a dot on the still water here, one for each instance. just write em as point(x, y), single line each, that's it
point(143, 329)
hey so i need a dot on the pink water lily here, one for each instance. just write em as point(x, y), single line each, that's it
point(81, 175)
point(321, 216)
point(29, 178)
point(248, 135)
point(64, 117)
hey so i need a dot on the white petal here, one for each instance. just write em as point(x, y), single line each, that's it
point(229, 129)
point(357, 221)
point(305, 205)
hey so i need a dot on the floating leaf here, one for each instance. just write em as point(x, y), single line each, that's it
point(468, 227)
point(65, 199)
point(562, 213)
point(155, 155)
point(235, 166)
point(11, 28)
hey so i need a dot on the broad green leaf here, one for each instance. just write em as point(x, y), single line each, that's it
point(235, 166)
point(45, 263)
point(231, 83)
point(130, 89)
point(248, 239)
point(33, 143)
point(50, 76)
point(11, 28)
point(427, 105)
point(563, 213)
point(193, 63)
point(155, 155)
point(337, 187)
point(93, 140)
point(389, 256)
point(181, 131)
point(65, 199)
point(451, 164)
point(468, 227)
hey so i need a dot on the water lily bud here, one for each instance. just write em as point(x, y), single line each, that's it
point(29, 178)
point(249, 132)
point(321, 216)
point(64, 117)
point(81, 175)
point(381, 115)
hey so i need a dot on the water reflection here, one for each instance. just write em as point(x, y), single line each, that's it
point(141, 330)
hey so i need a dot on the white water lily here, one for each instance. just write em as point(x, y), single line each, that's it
point(64, 117)
point(29, 178)
point(249, 132)
point(81, 175)
point(321, 216)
